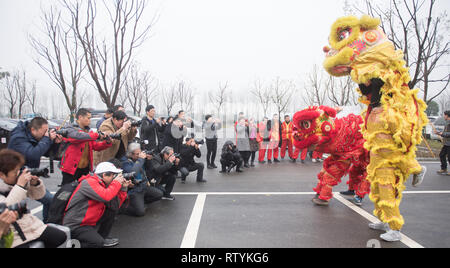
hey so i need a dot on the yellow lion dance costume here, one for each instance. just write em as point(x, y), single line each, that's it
point(395, 116)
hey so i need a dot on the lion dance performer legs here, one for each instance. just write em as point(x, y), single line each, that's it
point(395, 116)
point(341, 138)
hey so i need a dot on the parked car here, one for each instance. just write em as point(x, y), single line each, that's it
point(6, 126)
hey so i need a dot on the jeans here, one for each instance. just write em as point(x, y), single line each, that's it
point(211, 146)
point(197, 166)
point(137, 201)
point(46, 201)
point(445, 157)
point(89, 236)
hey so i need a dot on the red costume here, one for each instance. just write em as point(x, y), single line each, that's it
point(287, 130)
point(342, 139)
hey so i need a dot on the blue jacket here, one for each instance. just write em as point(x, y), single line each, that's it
point(23, 142)
point(129, 166)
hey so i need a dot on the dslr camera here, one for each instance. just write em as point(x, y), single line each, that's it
point(136, 123)
point(21, 208)
point(112, 136)
point(38, 172)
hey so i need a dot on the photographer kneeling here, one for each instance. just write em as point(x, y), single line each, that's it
point(187, 163)
point(94, 204)
point(15, 187)
point(142, 192)
point(230, 158)
point(165, 167)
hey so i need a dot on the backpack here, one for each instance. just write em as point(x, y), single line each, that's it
point(60, 202)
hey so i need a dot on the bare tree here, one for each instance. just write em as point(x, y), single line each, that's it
point(314, 87)
point(219, 97)
point(423, 39)
point(341, 91)
point(10, 95)
point(263, 94)
point(282, 92)
point(59, 55)
point(107, 59)
point(185, 95)
point(31, 96)
point(169, 98)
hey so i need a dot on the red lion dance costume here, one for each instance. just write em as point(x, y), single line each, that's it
point(342, 139)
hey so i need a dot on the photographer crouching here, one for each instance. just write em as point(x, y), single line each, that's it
point(141, 192)
point(165, 167)
point(187, 164)
point(17, 184)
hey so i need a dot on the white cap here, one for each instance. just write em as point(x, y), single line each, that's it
point(107, 167)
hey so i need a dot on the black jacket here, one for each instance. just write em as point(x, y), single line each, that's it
point(150, 131)
point(173, 137)
point(187, 155)
point(161, 167)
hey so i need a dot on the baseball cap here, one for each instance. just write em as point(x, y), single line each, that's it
point(107, 167)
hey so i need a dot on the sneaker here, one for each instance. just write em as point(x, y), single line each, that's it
point(213, 166)
point(210, 167)
point(348, 193)
point(276, 160)
point(168, 197)
point(110, 242)
point(442, 172)
point(418, 178)
point(314, 161)
point(316, 200)
point(357, 200)
point(391, 236)
point(252, 164)
point(379, 226)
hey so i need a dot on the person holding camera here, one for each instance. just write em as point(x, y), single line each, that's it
point(230, 158)
point(6, 235)
point(141, 192)
point(174, 134)
point(80, 144)
point(188, 152)
point(16, 185)
point(165, 167)
point(33, 140)
point(94, 204)
point(151, 129)
point(211, 127)
point(117, 125)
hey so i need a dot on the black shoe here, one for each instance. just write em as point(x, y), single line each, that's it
point(262, 162)
point(202, 181)
point(303, 161)
point(276, 160)
point(213, 165)
point(348, 193)
point(222, 171)
point(252, 164)
point(209, 167)
point(183, 181)
point(246, 166)
point(168, 197)
point(269, 161)
point(239, 171)
point(320, 202)
point(110, 242)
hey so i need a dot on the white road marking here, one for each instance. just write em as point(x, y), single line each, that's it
point(405, 239)
point(190, 236)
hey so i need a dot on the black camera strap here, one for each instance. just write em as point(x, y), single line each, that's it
point(19, 231)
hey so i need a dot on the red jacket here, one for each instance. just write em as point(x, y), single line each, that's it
point(88, 202)
point(76, 140)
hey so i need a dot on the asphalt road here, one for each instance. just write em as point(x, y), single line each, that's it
point(269, 206)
